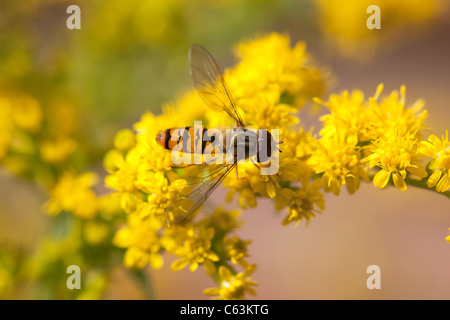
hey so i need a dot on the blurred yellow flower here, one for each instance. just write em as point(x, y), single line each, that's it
point(233, 287)
point(26, 113)
point(74, 194)
point(343, 23)
point(196, 250)
point(223, 221)
point(125, 171)
point(305, 204)
point(236, 249)
point(95, 232)
point(124, 140)
point(142, 243)
point(57, 150)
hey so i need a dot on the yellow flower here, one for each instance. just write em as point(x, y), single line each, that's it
point(26, 113)
point(391, 114)
point(439, 151)
point(57, 150)
point(223, 221)
point(376, 132)
point(348, 114)
point(95, 232)
point(124, 177)
point(73, 193)
point(395, 154)
point(233, 287)
point(303, 204)
point(339, 160)
point(196, 250)
point(236, 249)
point(161, 193)
point(251, 182)
point(142, 242)
point(124, 140)
point(270, 67)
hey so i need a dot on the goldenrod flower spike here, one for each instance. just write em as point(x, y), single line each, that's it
point(374, 139)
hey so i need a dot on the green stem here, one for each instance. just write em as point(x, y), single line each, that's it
point(423, 185)
point(145, 283)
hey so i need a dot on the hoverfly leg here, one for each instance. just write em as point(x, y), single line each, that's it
point(281, 141)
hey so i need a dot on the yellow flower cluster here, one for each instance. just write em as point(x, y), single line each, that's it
point(344, 22)
point(233, 287)
point(271, 81)
point(359, 135)
point(29, 146)
point(19, 115)
point(376, 139)
point(74, 194)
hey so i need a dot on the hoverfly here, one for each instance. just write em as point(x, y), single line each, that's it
point(212, 89)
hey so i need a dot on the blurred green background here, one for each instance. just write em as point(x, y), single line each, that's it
point(131, 57)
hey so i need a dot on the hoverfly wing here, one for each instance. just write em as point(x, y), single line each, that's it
point(209, 82)
point(201, 182)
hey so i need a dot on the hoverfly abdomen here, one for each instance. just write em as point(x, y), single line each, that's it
point(189, 139)
point(185, 138)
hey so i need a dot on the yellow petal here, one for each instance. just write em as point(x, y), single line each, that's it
point(224, 273)
point(270, 188)
point(123, 238)
point(335, 187)
point(443, 184)
point(353, 184)
point(417, 171)
point(434, 178)
point(212, 256)
point(155, 261)
point(210, 268)
point(399, 181)
point(427, 149)
point(436, 141)
point(211, 291)
point(379, 90)
point(135, 257)
point(193, 266)
point(179, 264)
point(381, 179)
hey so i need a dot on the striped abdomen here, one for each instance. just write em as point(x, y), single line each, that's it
point(198, 139)
point(189, 139)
